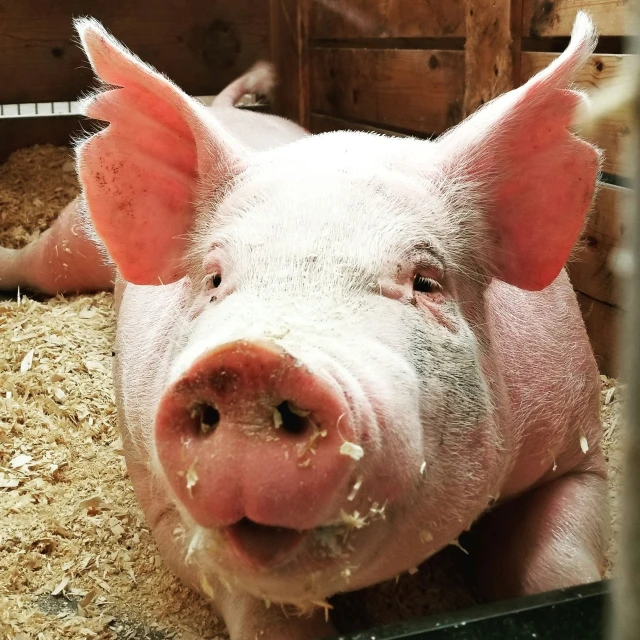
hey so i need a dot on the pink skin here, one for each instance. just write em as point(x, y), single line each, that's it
point(248, 466)
point(432, 327)
point(62, 260)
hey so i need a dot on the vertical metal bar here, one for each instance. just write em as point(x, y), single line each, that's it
point(626, 606)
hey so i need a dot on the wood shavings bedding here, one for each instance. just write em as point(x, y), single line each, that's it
point(35, 184)
point(76, 558)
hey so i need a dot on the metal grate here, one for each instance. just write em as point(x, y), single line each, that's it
point(71, 107)
point(31, 109)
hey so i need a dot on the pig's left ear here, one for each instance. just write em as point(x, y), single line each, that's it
point(536, 180)
point(142, 174)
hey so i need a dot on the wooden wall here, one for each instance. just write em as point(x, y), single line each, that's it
point(544, 23)
point(406, 67)
point(200, 44)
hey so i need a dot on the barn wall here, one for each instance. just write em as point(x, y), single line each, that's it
point(416, 68)
point(545, 23)
point(200, 44)
point(396, 66)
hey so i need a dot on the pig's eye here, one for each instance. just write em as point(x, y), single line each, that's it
point(426, 285)
point(213, 281)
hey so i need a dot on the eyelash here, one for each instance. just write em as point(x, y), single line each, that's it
point(422, 284)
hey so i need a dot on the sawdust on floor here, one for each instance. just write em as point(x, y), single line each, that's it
point(76, 557)
point(35, 184)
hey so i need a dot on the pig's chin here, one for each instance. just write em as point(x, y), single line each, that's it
point(284, 566)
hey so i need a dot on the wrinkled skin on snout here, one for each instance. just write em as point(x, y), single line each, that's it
point(335, 353)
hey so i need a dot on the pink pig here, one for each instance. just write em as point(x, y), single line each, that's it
point(336, 352)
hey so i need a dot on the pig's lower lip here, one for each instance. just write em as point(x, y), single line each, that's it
point(262, 545)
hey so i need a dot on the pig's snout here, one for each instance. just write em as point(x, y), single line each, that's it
point(250, 439)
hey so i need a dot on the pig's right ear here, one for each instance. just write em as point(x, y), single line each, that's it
point(530, 177)
point(141, 175)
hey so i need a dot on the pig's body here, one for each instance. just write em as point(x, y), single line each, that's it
point(329, 382)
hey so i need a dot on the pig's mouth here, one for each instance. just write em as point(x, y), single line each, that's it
point(263, 545)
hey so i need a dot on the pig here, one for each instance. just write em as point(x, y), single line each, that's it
point(335, 353)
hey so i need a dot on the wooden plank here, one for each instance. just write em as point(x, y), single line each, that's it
point(546, 18)
point(17, 133)
point(591, 269)
point(335, 19)
point(323, 124)
point(290, 54)
point(201, 45)
point(20, 132)
point(488, 55)
point(416, 90)
point(613, 133)
point(516, 39)
point(603, 322)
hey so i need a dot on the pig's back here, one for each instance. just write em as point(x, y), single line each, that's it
point(258, 131)
point(551, 377)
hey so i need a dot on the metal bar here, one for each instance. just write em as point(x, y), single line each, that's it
point(626, 605)
point(576, 613)
point(42, 109)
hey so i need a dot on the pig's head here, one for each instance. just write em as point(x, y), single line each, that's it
point(320, 396)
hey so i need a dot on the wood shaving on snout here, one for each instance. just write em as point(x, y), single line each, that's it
point(70, 521)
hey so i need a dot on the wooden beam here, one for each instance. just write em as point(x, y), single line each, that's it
point(322, 124)
point(547, 18)
point(603, 323)
point(18, 133)
point(289, 51)
point(199, 44)
point(336, 19)
point(415, 90)
point(516, 40)
point(488, 54)
point(591, 270)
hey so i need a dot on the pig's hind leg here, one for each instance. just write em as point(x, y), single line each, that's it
point(63, 259)
point(549, 538)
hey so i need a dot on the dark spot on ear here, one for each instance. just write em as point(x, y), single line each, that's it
point(213, 299)
point(434, 63)
point(599, 65)
point(57, 52)
point(113, 354)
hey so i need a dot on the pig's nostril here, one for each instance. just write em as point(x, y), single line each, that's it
point(207, 417)
point(294, 420)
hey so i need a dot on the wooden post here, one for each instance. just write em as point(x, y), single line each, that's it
point(626, 605)
point(289, 51)
point(488, 52)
